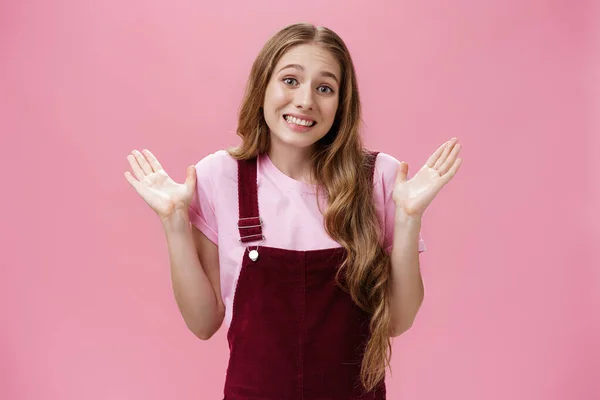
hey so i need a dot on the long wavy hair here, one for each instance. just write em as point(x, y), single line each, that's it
point(338, 164)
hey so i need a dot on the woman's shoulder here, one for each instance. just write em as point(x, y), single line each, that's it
point(386, 167)
point(386, 160)
point(218, 158)
point(219, 164)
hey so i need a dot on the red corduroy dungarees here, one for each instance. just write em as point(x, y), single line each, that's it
point(294, 334)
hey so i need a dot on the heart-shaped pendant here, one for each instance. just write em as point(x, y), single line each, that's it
point(253, 255)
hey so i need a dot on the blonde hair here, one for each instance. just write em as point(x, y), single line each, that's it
point(339, 168)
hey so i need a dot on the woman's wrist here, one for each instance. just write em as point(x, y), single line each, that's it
point(178, 220)
point(403, 218)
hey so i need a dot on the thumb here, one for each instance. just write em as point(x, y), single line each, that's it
point(190, 177)
point(402, 172)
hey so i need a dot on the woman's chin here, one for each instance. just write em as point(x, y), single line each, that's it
point(299, 138)
point(295, 140)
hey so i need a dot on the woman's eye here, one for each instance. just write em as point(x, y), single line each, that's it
point(290, 81)
point(325, 89)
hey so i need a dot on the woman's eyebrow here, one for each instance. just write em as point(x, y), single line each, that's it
point(301, 68)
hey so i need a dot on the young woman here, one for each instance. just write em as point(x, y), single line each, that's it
point(302, 241)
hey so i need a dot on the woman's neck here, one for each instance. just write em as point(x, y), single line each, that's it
point(293, 161)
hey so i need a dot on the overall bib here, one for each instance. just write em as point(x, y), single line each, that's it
point(294, 334)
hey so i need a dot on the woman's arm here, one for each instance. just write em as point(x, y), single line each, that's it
point(406, 285)
point(194, 262)
point(412, 197)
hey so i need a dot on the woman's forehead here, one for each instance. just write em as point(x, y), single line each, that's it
point(309, 58)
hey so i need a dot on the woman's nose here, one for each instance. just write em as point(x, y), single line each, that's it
point(304, 98)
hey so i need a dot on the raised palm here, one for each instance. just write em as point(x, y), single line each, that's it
point(156, 187)
point(413, 196)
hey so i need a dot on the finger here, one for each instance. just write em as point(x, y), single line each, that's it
point(402, 172)
point(452, 171)
point(450, 160)
point(152, 160)
point(135, 166)
point(445, 153)
point(143, 162)
point(434, 157)
point(132, 181)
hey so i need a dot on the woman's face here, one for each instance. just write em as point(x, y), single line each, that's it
point(302, 96)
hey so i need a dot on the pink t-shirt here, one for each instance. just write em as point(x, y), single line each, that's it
point(291, 216)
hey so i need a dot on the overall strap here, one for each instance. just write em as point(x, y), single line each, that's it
point(370, 159)
point(250, 222)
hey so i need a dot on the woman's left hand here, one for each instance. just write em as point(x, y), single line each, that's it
point(413, 196)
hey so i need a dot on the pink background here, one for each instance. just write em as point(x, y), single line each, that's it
point(512, 281)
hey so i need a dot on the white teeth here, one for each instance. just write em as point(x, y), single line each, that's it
point(298, 121)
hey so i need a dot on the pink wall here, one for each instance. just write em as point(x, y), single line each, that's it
point(512, 282)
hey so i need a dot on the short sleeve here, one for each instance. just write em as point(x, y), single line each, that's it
point(386, 168)
point(202, 207)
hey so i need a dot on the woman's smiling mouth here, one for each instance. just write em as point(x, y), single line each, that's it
point(299, 122)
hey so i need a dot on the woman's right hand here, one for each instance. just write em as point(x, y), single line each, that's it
point(156, 187)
